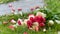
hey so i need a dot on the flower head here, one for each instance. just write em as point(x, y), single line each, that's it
point(51, 22)
point(44, 30)
point(10, 5)
point(31, 15)
point(19, 21)
point(19, 9)
point(11, 27)
point(32, 9)
point(13, 21)
point(13, 10)
point(41, 14)
point(25, 21)
point(29, 23)
point(39, 19)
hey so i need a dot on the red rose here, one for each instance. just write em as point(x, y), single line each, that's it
point(43, 19)
point(42, 24)
point(19, 22)
point(32, 19)
point(39, 19)
point(29, 23)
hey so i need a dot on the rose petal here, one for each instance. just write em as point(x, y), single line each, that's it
point(25, 33)
point(11, 27)
point(36, 28)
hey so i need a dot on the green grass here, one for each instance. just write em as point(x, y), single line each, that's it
point(6, 1)
point(21, 29)
point(53, 5)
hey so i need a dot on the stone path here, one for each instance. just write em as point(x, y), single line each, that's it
point(24, 4)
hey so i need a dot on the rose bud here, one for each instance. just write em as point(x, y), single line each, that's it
point(13, 21)
point(4, 22)
point(19, 9)
point(25, 33)
point(13, 10)
point(11, 27)
point(10, 5)
point(32, 9)
point(51, 22)
point(37, 7)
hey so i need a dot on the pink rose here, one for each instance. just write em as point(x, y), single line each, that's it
point(10, 5)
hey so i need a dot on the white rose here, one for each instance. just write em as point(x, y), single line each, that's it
point(25, 21)
point(51, 22)
point(41, 14)
point(35, 24)
point(44, 30)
